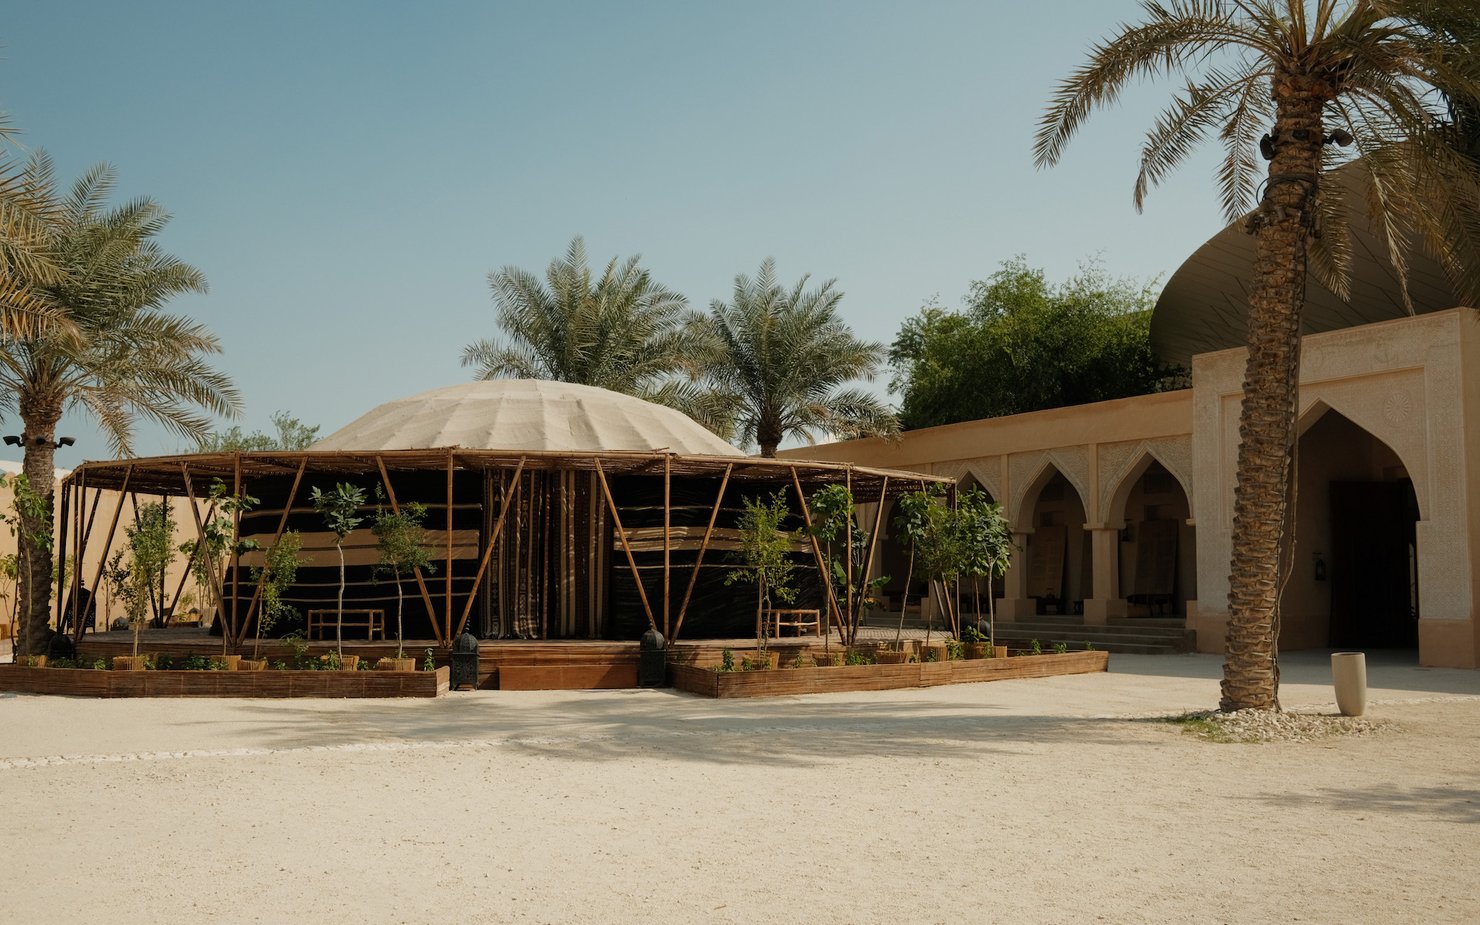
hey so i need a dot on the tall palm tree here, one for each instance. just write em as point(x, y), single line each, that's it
point(776, 359)
point(1316, 76)
point(123, 357)
point(25, 255)
point(621, 331)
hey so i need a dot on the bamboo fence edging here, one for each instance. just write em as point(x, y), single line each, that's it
point(87, 682)
point(779, 682)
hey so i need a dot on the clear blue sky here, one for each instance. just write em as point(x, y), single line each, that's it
point(346, 174)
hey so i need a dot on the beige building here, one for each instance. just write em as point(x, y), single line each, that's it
point(1123, 509)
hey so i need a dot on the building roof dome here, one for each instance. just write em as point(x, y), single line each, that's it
point(526, 414)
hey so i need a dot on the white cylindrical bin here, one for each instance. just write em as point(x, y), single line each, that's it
point(1349, 674)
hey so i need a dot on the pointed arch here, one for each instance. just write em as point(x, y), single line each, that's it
point(1020, 511)
point(1124, 483)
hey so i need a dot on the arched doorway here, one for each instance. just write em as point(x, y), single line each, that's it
point(1158, 547)
point(1058, 556)
point(1354, 569)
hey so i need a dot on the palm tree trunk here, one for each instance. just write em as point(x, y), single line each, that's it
point(1282, 225)
point(38, 437)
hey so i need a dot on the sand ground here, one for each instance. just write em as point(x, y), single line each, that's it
point(1015, 801)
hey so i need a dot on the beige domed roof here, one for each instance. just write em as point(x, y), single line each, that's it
point(526, 414)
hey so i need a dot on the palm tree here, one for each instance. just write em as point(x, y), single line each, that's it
point(622, 331)
point(120, 358)
point(26, 261)
point(776, 358)
point(1315, 74)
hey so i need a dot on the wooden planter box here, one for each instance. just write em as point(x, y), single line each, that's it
point(786, 681)
point(83, 682)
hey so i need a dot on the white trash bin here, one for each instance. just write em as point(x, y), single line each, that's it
point(1349, 674)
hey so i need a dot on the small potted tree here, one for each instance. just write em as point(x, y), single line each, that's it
point(340, 509)
point(986, 553)
point(278, 572)
point(208, 554)
point(401, 541)
point(765, 554)
point(150, 547)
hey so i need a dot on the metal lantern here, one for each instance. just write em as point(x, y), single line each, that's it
point(652, 660)
point(465, 662)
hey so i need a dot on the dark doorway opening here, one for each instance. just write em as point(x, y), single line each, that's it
point(1374, 574)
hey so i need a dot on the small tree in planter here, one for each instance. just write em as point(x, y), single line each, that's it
point(151, 547)
point(278, 572)
point(933, 532)
point(402, 543)
point(340, 509)
point(208, 557)
point(987, 549)
point(832, 509)
point(765, 554)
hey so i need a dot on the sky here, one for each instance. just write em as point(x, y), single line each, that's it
point(346, 174)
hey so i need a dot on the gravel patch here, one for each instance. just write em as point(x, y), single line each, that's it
point(1254, 726)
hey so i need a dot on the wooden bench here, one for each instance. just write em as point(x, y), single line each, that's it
point(798, 620)
point(368, 619)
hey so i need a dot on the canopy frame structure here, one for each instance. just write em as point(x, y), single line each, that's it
point(182, 477)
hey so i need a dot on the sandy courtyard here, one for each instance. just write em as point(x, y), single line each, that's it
point(1014, 801)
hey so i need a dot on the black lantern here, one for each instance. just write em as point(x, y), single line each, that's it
point(465, 662)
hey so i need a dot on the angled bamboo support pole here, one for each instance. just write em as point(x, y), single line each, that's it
point(703, 547)
point(606, 490)
point(421, 582)
point(493, 536)
point(873, 537)
point(185, 575)
point(832, 599)
point(277, 535)
point(228, 627)
point(128, 473)
point(852, 607)
point(60, 561)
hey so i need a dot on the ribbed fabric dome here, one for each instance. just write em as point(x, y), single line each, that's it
point(526, 414)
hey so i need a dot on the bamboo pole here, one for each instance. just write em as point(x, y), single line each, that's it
point(667, 536)
point(703, 547)
point(108, 543)
point(421, 583)
point(853, 606)
point(545, 537)
point(606, 490)
point(827, 587)
point(493, 538)
point(83, 526)
point(447, 606)
point(228, 627)
point(238, 622)
point(281, 528)
point(185, 576)
point(61, 548)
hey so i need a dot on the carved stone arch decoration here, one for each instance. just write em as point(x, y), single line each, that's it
point(1132, 461)
point(1026, 490)
point(986, 473)
point(1381, 424)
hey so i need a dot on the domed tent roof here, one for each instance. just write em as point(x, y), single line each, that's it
point(526, 414)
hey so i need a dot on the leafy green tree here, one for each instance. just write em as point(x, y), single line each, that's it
point(1315, 76)
point(340, 509)
point(277, 574)
point(291, 434)
point(207, 558)
point(1024, 344)
point(765, 557)
point(119, 357)
point(775, 360)
point(151, 547)
point(833, 512)
point(987, 549)
point(401, 541)
point(622, 331)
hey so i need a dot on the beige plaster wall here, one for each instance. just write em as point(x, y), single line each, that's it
point(1402, 382)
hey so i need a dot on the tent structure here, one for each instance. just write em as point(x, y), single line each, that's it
point(553, 512)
